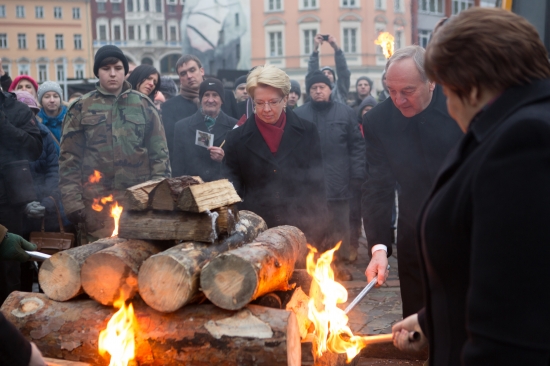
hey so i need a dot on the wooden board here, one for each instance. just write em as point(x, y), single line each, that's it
point(208, 196)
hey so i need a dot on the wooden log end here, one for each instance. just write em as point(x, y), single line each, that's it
point(59, 277)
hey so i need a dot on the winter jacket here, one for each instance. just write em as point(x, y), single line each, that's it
point(121, 137)
point(191, 159)
point(175, 110)
point(340, 90)
point(342, 145)
point(54, 124)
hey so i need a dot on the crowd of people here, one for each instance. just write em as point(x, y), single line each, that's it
point(459, 133)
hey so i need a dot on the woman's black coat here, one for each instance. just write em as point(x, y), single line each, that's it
point(284, 189)
point(485, 239)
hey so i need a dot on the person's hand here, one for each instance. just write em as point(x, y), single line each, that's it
point(35, 210)
point(76, 217)
point(317, 41)
point(36, 357)
point(13, 248)
point(332, 42)
point(402, 331)
point(216, 153)
point(378, 267)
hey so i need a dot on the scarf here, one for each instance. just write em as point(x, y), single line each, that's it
point(191, 94)
point(54, 124)
point(272, 134)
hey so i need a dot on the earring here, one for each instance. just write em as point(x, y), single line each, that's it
point(254, 110)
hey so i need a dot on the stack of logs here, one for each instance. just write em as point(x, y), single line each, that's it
point(181, 241)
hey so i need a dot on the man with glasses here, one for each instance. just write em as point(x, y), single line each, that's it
point(343, 158)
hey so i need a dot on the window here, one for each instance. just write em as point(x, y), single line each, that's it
point(138, 5)
point(42, 73)
point(236, 19)
point(3, 40)
point(116, 33)
point(399, 41)
point(59, 41)
point(79, 71)
point(41, 41)
point(23, 69)
point(424, 37)
point(159, 33)
point(380, 4)
point(309, 36)
point(101, 7)
point(172, 9)
point(398, 6)
point(39, 12)
point(131, 34)
point(146, 5)
point(173, 33)
point(60, 72)
point(20, 11)
point(459, 5)
point(102, 32)
point(115, 7)
point(350, 40)
point(158, 6)
point(431, 6)
point(275, 44)
point(77, 42)
point(57, 12)
point(349, 3)
point(130, 6)
point(274, 5)
point(2, 11)
point(22, 40)
point(309, 4)
point(148, 32)
point(76, 13)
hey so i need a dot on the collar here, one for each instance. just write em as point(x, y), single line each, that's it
point(126, 88)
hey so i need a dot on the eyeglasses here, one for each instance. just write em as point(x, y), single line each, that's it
point(271, 104)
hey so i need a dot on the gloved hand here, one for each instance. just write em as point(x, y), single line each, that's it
point(35, 210)
point(76, 217)
point(13, 248)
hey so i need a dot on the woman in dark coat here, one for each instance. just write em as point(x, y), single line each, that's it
point(275, 161)
point(146, 80)
point(484, 231)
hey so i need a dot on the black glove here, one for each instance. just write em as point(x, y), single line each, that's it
point(13, 248)
point(76, 217)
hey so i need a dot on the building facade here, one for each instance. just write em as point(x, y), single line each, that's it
point(147, 31)
point(46, 39)
point(283, 32)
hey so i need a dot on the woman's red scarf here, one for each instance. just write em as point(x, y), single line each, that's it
point(272, 134)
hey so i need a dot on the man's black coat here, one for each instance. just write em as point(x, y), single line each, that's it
point(408, 152)
point(286, 188)
point(485, 236)
point(191, 159)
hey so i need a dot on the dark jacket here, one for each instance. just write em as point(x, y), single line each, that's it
point(285, 189)
point(342, 145)
point(484, 239)
point(408, 152)
point(175, 110)
point(340, 89)
point(5, 81)
point(229, 106)
point(15, 350)
point(191, 159)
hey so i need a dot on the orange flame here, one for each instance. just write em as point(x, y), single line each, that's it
point(118, 339)
point(96, 206)
point(109, 198)
point(96, 177)
point(331, 330)
point(386, 41)
point(116, 211)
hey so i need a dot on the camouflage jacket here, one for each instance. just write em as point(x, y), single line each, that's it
point(120, 136)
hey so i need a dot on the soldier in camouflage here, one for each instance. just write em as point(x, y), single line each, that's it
point(116, 131)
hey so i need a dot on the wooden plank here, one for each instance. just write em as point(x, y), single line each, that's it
point(208, 196)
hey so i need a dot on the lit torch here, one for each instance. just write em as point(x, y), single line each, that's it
point(386, 41)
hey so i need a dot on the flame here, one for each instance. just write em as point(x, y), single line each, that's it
point(116, 211)
point(118, 339)
point(331, 330)
point(96, 177)
point(385, 40)
point(96, 206)
point(109, 198)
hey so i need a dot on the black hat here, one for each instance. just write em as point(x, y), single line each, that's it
point(331, 70)
point(240, 80)
point(317, 77)
point(363, 78)
point(295, 87)
point(211, 85)
point(109, 51)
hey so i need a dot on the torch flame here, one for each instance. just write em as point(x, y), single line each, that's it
point(118, 339)
point(116, 211)
point(96, 177)
point(385, 40)
point(331, 330)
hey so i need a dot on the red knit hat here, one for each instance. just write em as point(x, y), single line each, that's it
point(21, 77)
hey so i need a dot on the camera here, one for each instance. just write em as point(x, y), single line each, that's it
point(325, 37)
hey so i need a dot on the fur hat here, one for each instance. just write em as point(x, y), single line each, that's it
point(109, 51)
point(49, 86)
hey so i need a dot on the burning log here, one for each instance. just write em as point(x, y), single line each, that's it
point(194, 335)
point(208, 196)
point(59, 276)
point(113, 272)
point(170, 280)
point(165, 195)
point(235, 278)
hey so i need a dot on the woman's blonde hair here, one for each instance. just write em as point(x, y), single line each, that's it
point(268, 75)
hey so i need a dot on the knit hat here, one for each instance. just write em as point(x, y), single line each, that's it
point(49, 86)
point(368, 101)
point(22, 77)
point(211, 85)
point(240, 80)
point(28, 99)
point(363, 78)
point(317, 77)
point(295, 87)
point(331, 70)
point(109, 51)
point(168, 87)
